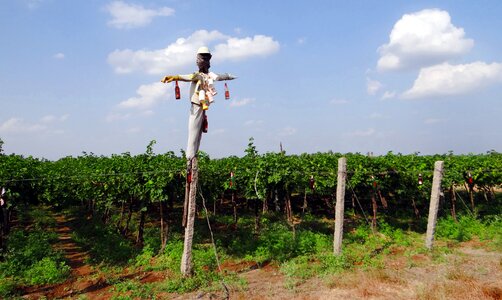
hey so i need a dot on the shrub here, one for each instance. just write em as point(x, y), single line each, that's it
point(48, 270)
point(7, 287)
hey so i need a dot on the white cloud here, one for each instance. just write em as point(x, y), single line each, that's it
point(388, 95)
point(18, 125)
point(182, 52)
point(376, 115)
point(48, 119)
point(58, 56)
point(33, 4)
point(112, 117)
point(253, 123)
point(447, 80)
point(134, 130)
point(148, 95)
point(423, 38)
point(301, 40)
point(362, 133)
point(287, 131)
point(238, 49)
point(337, 101)
point(243, 102)
point(372, 86)
point(52, 118)
point(431, 121)
point(125, 16)
point(218, 131)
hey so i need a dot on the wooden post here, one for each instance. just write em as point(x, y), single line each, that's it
point(434, 204)
point(340, 202)
point(186, 259)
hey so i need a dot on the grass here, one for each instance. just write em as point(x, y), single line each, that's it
point(488, 229)
point(30, 258)
point(303, 254)
point(104, 245)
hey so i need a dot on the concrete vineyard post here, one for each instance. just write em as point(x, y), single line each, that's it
point(434, 204)
point(340, 202)
point(186, 259)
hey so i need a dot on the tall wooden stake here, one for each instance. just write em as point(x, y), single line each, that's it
point(340, 202)
point(186, 259)
point(434, 204)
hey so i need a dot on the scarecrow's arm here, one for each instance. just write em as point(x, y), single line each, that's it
point(224, 76)
point(169, 78)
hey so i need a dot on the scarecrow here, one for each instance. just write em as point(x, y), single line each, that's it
point(202, 94)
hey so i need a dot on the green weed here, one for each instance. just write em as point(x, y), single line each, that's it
point(103, 243)
point(132, 289)
point(7, 287)
point(30, 258)
point(48, 270)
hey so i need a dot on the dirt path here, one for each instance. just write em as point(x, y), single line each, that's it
point(469, 272)
point(80, 281)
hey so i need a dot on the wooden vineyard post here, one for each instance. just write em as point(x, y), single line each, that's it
point(186, 259)
point(340, 202)
point(434, 204)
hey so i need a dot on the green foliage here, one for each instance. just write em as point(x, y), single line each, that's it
point(31, 260)
point(48, 270)
point(26, 249)
point(143, 259)
point(309, 242)
point(132, 289)
point(467, 227)
point(7, 286)
point(275, 243)
point(141, 182)
point(204, 267)
point(103, 243)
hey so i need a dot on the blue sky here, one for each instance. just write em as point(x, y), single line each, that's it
point(346, 76)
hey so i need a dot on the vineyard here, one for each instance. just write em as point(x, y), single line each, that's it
point(265, 208)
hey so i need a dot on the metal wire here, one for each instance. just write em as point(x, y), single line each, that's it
point(357, 199)
point(89, 176)
point(227, 293)
point(468, 209)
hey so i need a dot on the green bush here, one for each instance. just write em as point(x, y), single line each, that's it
point(31, 259)
point(143, 259)
point(331, 264)
point(46, 271)
point(104, 244)
point(7, 287)
point(309, 242)
point(468, 227)
point(170, 259)
point(26, 249)
point(275, 243)
point(463, 230)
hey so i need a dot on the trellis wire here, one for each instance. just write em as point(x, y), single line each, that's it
point(357, 199)
point(463, 202)
point(227, 293)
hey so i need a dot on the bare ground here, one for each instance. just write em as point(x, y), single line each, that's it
point(469, 272)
